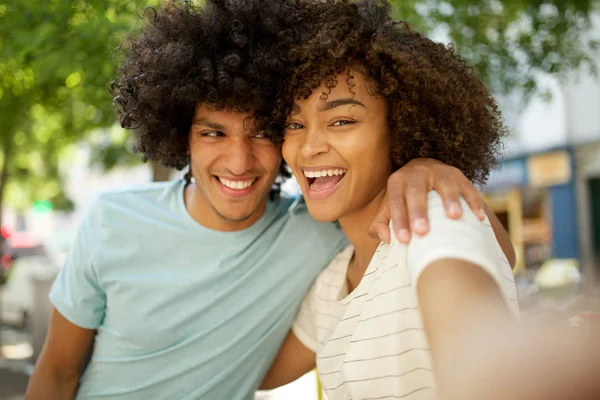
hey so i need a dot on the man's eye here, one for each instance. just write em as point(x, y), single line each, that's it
point(342, 122)
point(259, 135)
point(212, 134)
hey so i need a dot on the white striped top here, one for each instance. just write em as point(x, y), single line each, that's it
point(370, 344)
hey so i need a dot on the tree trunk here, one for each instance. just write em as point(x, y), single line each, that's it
point(3, 180)
point(160, 173)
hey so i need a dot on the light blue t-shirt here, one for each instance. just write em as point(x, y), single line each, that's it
point(183, 312)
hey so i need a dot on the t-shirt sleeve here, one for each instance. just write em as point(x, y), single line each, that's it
point(76, 293)
point(467, 239)
point(305, 327)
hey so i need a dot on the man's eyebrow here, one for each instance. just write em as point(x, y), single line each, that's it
point(207, 123)
point(340, 102)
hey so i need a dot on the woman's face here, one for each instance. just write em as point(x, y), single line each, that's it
point(339, 148)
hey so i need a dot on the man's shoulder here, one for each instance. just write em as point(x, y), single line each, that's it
point(294, 225)
point(135, 200)
point(286, 203)
point(149, 190)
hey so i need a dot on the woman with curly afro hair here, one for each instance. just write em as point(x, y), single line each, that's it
point(366, 95)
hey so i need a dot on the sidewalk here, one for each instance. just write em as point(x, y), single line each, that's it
point(13, 381)
point(13, 363)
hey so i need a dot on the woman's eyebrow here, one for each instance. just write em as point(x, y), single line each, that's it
point(330, 105)
point(340, 102)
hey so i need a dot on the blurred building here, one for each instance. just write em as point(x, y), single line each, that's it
point(547, 192)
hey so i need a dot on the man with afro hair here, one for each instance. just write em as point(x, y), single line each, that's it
point(186, 289)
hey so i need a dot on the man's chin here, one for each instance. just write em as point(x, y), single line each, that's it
point(238, 211)
point(235, 216)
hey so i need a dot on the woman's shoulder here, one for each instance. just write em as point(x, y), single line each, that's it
point(333, 278)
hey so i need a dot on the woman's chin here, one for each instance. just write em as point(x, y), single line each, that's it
point(322, 215)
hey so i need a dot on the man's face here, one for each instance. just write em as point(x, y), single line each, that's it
point(233, 165)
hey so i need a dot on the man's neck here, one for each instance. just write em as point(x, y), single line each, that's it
point(205, 214)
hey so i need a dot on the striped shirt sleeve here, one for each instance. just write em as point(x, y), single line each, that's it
point(467, 239)
point(305, 326)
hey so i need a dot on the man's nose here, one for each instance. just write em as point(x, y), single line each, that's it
point(240, 156)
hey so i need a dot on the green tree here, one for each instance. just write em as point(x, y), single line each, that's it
point(511, 42)
point(56, 62)
point(55, 65)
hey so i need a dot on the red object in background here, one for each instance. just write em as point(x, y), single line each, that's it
point(7, 231)
point(21, 240)
point(7, 261)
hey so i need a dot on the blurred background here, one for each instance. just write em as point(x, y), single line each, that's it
point(60, 146)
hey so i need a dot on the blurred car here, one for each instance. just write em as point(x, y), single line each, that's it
point(19, 244)
point(6, 261)
point(29, 260)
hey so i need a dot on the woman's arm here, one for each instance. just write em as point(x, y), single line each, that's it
point(541, 360)
point(461, 279)
point(455, 296)
point(293, 361)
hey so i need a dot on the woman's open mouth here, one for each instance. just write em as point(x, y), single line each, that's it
point(322, 183)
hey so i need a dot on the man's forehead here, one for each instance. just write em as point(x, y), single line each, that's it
point(207, 110)
point(213, 117)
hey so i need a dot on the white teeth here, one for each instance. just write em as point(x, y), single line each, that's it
point(326, 172)
point(238, 185)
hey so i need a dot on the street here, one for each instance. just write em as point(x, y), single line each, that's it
point(13, 378)
point(13, 381)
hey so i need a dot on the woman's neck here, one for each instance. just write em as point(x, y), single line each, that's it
point(355, 227)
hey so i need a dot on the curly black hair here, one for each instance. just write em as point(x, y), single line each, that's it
point(438, 107)
point(229, 54)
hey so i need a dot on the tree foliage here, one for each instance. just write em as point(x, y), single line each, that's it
point(55, 63)
point(56, 59)
point(512, 42)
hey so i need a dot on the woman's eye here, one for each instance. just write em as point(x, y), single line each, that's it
point(343, 122)
point(292, 126)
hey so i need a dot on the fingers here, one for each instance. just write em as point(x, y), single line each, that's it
point(450, 193)
point(416, 204)
point(408, 201)
point(454, 185)
point(379, 227)
point(473, 198)
point(408, 198)
point(398, 210)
